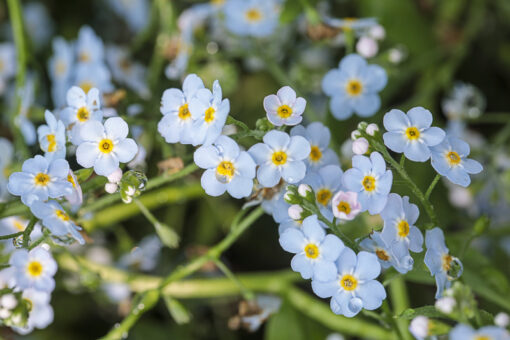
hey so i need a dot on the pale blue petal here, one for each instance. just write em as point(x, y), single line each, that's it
point(293, 172)
point(460, 146)
point(116, 128)
point(367, 268)
point(459, 176)
point(86, 154)
point(384, 183)
point(396, 121)
point(276, 140)
point(292, 240)
point(227, 147)
point(433, 136)
point(312, 230)
point(471, 166)
point(298, 148)
point(372, 294)
point(417, 151)
point(302, 265)
point(415, 240)
point(211, 185)
point(331, 247)
point(346, 262)
point(362, 163)
point(206, 157)
point(420, 117)
point(260, 152)
point(91, 131)
point(126, 150)
point(352, 64)
point(268, 175)
point(341, 107)
point(324, 271)
point(375, 78)
point(106, 164)
point(59, 168)
point(376, 203)
point(395, 141)
point(378, 163)
point(331, 83)
point(240, 187)
point(352, 180)
point(35, 165)
point(367, 104)
point(325, 289)
point(245, 165)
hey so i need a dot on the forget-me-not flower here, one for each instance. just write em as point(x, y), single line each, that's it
point(8, 63)
point(75, 198)
point(466, 332)
point(52, 137)
point(41, 312)
point(354, 286)
point(319, 136)
point(227, 168)
point(40, 179)
point(399, 218)
point(15, 224)
point(283, 108)
point(34, 269)
point(370, 179)
point(176, 126)
point(95, 75)
point(81, 108)
point(280, 156)
point(345, 205)
point(273, 202)
point(450, 159)
point(56, 219)
point(257, 18)
point(209, 112)
point(396, 255)
point(103, 147)
point(439, 261)
point(135, 12)
point(325, 182)
point(354, 87)
point(60, 65)
point(315, 251)
point(89, 47)
point(5, 161)
point(411, 133)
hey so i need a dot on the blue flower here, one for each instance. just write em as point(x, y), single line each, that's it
point(228, 168)
point(8, 61)
point(354, 287)
point(40, 179)
point(395, 255)
point(350, 24)
point(315, 251)
point(411, 133)
point(5, 161)
point(399, 218)
point(319, 136)
point(439, 261)
point(89, 47)
point(280, 156)
point(450, 159)
point(209, 112)
point(126, 71)
point(176, 124)
point(41, 312)
point(15, 224)
point(354, 87)
point(135, 12)
point(81, 108)
point(56, 219)
point(96, 75)
point(325, 183)
point(273, 203)
point(464, 332)
point(103, 147)
point(283, 108)
point(257, 18)
point(371, 180)
point(59, 67)
point(52, 137)
point(34, 269)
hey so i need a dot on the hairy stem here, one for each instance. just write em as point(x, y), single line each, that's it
point(432, 186)
point(28, 231)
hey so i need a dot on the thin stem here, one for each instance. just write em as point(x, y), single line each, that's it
point(232, 120)
point(166, 234)
point(28, 231)
point(8, 236)
point(402, 160)
point(146, 212)
point(40, 239)
point(247, 294)
point(432, 186)
point(150, 297)
point(400, 301)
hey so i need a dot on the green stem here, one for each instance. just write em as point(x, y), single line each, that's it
point(432, 186)
point(232, 120)
point(402, 160)
point(182, 272)
point(9, 236)
point(166, 234)
point(378, 146)
point(247, 294)
point(400, 302)
point(146, 212)
point(28, 231)
point(40, 239)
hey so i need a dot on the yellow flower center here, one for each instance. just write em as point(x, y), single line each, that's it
point(311, 251)
point(447, 260)
point(84, 56)
point(83, 114)
point(412, 133)
point(52, 144)
point(1, 65)
point(61, 67)
point(253, 15)
point(403, 228)
point(226, 169)
point(354, 87)
point(323, 196)
point(369, 183)
point(42, 179)
point(70, 179)
point(217, 2)
point(382, 254)
point(62, 215)
point(106, 145)
point(348, 282)
point(18, 225)
point(315, 153)
point(284, 111)
point(184, 113)
point(209, 115)
point(34, 268)
point(482, 337)
point(86, 86)
point(344, 207)
point(279, 158)
point(453, 158)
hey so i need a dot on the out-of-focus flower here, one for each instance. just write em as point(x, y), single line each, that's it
point(56, 219)
point(135, 12)
point(60, 65)
point(463, 332)
point(145, 256)
point(52, 137)
point(354, 87)
point(34, 269)
point(419, 327)
point(257, 18)
point(7, 64)
point(465, 101)
point(228, 168)
point(388, 255)
point(367, 47)
point(360, 146)
point(5, 161)
point(41, 312)
point(37, 23)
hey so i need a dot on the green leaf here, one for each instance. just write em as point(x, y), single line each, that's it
point(487, 318)
point(179, 313)
point(83, 174)
point(428, 311)
point(291, 9)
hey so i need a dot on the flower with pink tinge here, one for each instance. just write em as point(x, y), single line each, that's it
point(346, 205)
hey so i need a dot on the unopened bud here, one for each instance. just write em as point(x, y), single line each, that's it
point(355, 135)
point(377, 32)
point(110, 187)
point(304, 189)
point(367, 47)
point(362, 126)
point(360, 146)
point(115, 176)
point(502, 320)
point(8, 301)
point(295, 212)
point(372, 129)
point(445, 304)
point(419, 327)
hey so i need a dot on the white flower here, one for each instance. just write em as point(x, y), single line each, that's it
point(103, 147)
point(372, 128)
point(52, 137)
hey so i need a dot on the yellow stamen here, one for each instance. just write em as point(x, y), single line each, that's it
point(412, 133)
point(106, 145)
point(403, 228)
point(447, 260)
point(279, 158)
point(52, 144)
point(311, 251)
point(453, 158)
point(19, 225)
point(315, 154)
point(62, 215)
point(354, 87)
point(42, 179)
point(70, 179)
point(209, 115)
point(323, 196)
point(184, 113)
point(34, 268)
point(369, 183)
point(348, 282)
point(86, 86)
point(253, 15)
point(344, 207)
point(284, 111)
point(83, 114)
point(382, 254)
point(226, 169)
